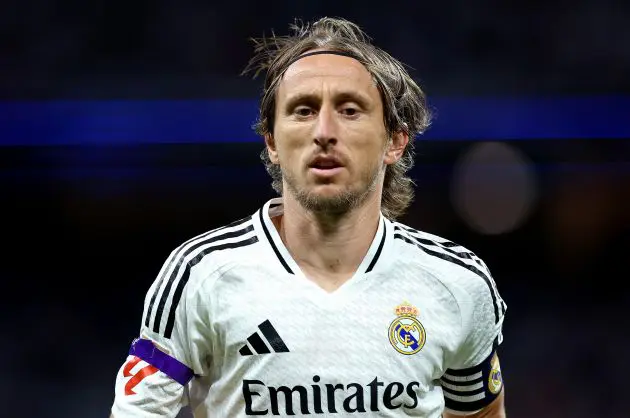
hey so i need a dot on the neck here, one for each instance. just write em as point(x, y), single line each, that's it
point(329, 248)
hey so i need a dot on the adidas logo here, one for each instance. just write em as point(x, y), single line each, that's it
point(257, 342)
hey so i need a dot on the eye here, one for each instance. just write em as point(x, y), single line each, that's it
point(303, 111)
point(349, 111)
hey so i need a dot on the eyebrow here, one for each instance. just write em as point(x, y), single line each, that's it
point(361, 99)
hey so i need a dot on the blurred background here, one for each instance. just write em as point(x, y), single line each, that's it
point(125, 130)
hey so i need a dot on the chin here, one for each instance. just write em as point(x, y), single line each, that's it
point(328, 191)
point(330, 198)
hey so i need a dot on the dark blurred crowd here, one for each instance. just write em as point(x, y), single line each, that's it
point(120, 48)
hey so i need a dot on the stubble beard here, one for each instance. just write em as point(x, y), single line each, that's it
point(338, 204)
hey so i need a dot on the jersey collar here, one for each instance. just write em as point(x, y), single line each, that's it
point(373, 260)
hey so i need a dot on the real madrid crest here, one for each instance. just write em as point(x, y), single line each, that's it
point(495, 380)
point(406, 333)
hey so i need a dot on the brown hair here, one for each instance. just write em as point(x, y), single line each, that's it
point(404, 102)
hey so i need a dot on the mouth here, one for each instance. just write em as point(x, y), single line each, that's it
point(325, 167)
point(325, 163)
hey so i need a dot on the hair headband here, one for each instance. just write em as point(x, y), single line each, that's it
point(308, 54)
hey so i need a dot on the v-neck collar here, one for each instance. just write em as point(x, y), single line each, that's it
point(373, 261)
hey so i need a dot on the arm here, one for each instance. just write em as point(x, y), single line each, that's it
point(172, 348)
point(472, 383)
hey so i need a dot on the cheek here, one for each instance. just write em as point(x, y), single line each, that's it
point(373, 152)
point(290, 149)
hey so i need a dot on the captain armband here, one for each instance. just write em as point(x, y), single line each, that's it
point(170, 366)
point(468, 390)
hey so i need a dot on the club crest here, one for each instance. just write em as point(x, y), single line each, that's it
point(406, 333)
point(495, 380)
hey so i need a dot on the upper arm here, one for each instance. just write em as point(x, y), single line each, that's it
point(472, 383)
point(170, 350)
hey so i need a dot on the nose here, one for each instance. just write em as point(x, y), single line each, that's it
point(326, 127)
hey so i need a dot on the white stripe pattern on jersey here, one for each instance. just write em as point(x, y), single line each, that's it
point(459, 388)
point(462, 378)
point(470, 398)
point(463, 388)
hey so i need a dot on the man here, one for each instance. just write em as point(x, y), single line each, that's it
point(320, 303)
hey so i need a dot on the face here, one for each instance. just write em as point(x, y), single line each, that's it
point(329, 134)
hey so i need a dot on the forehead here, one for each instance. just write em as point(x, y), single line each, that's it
point(332, 72)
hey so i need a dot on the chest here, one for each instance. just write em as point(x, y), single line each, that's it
point(381, 327)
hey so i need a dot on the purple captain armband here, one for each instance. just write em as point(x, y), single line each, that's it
point(173, 368)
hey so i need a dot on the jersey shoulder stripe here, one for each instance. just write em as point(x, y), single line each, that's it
point(454, 257)
point(444, 245)
point(170, 323)
point(176, 271)
point(177, 254)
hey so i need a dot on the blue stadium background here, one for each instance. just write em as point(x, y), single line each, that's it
point(125, 129)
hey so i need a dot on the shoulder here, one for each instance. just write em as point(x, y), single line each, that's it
point(459, 270)
point(216, 248)
point(439, 252)
point(457, 267)
point(206, 255)
point(194, 263)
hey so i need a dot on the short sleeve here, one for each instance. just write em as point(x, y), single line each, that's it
point(473, 376)
point(172, 348)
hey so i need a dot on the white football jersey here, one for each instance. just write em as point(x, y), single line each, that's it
point(233, 328)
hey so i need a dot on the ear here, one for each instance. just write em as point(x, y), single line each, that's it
point(271, 148)
point(396, 147)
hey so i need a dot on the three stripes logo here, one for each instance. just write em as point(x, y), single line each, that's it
point(264, 342)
